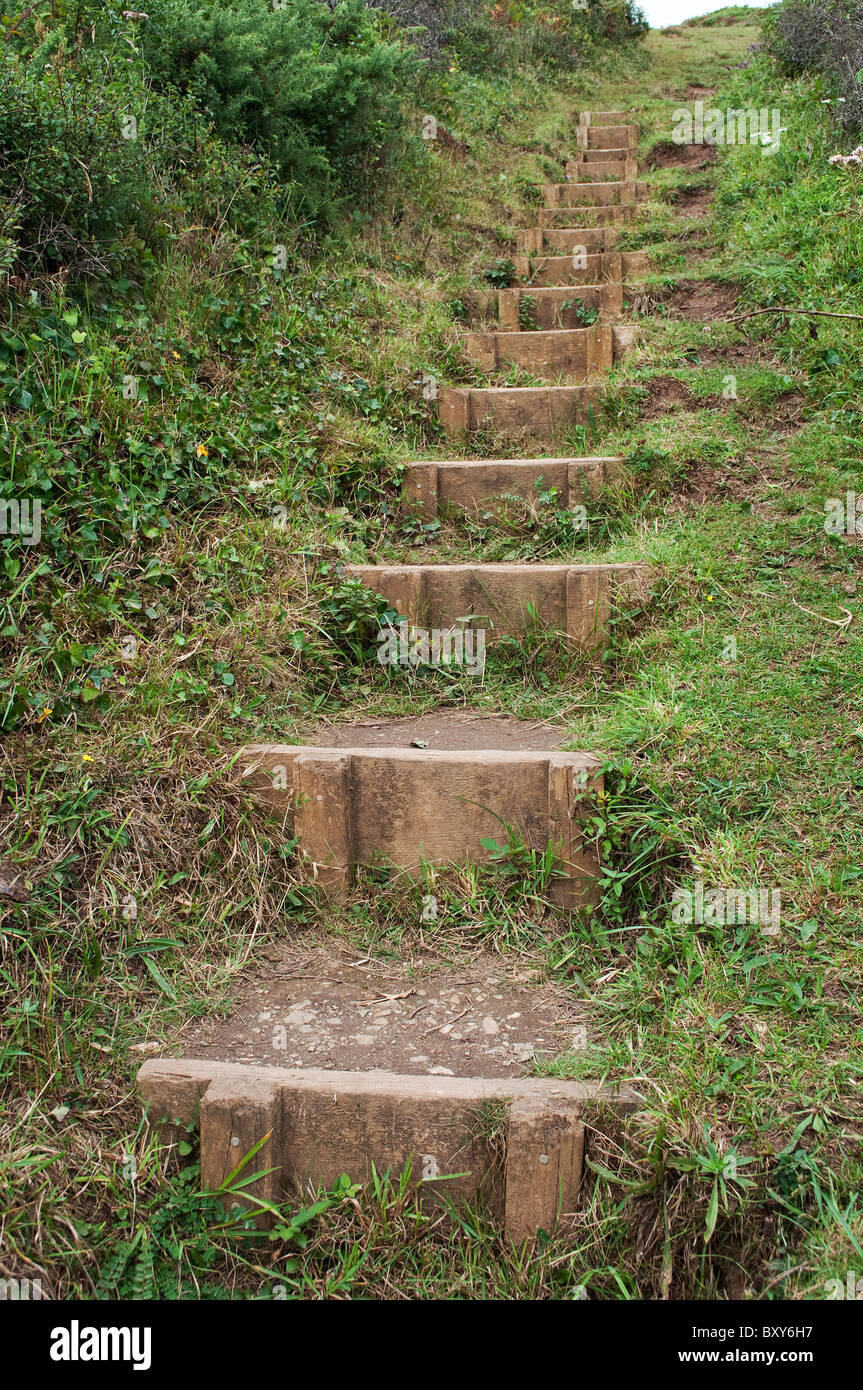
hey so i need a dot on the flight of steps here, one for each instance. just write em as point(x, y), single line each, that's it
point(414, 806)
point(565, 264)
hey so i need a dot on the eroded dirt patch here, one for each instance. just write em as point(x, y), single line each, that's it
point(706, 483)
point(700, 253)
point(666, 155)
point(693, 201)
point(701, 301)
point(323, 1007)
point(739, 354)
point(666, 393)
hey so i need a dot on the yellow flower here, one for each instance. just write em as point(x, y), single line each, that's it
point(201, 452)
point(85, 758)
point(709, 598)
point(176, 355)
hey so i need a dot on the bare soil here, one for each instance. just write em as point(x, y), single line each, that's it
point(666, 155)
point(700, 301)
point(668, 394)
point(705, 483)
point(444, 729)
point(487, 1016)
point(693, 201)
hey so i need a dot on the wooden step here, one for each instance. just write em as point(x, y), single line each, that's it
point(597, 194)
point(533, 241)
point(634, 264)
point(313, 1125)
point(432, 486)
point(622, 170)
point(557, 307)
point(626, 335)
point(602, 118)
point(574, 353)
point(600, 156)
point(575, 600)
point(532, 411)
point(409, 807)
point(575, 269)
point(609, 137)
point(563, 216)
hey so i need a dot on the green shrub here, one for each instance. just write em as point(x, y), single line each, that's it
point(547, 35)
point(316, 89)
point(71, 181)
point(84, 191)
point(824, 36)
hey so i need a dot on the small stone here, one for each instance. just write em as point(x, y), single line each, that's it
point(440, 1071)
point(300, 1015)
point(490, 1025)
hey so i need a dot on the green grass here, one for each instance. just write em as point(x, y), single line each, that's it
point(155, 882)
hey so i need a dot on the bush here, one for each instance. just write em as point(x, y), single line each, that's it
point(107, 124)
point(84, 192)
point(70, 181)
point(823, 36)
point(530, 33)
point(316, 89)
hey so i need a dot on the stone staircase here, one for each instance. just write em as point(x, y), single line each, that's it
point(414, 806)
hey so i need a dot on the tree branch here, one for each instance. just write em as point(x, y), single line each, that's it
point(817, 313)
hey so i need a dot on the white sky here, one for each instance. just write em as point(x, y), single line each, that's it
point(662, 12)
